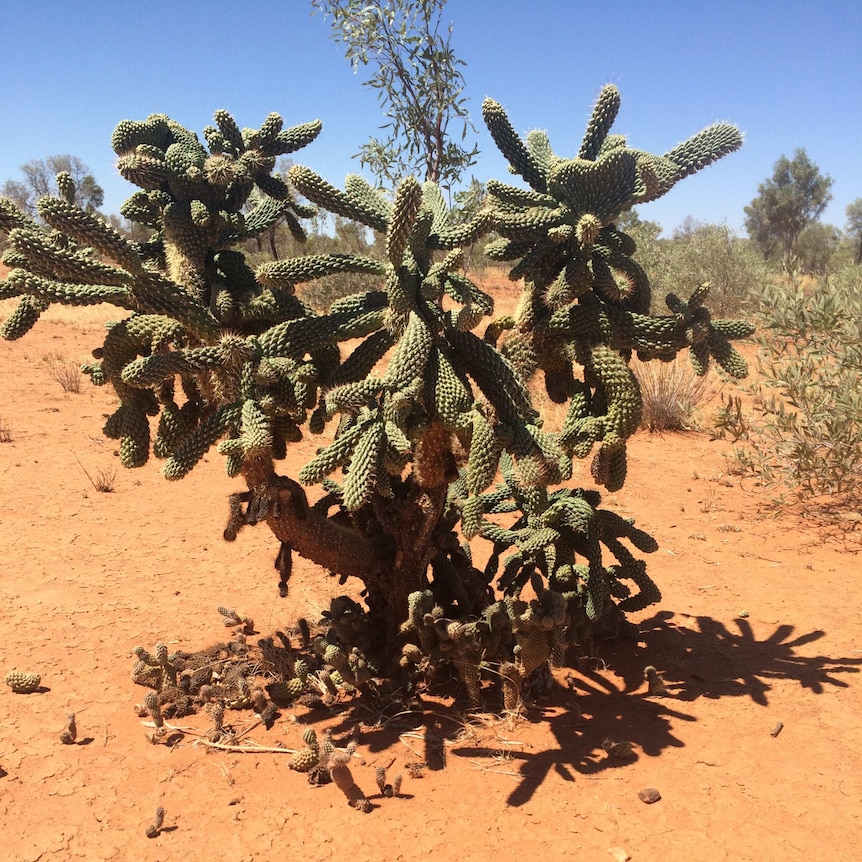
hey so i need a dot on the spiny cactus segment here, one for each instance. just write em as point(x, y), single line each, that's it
point(233, 619)
point(23, 682)
point(275, 672)
point(586, 300)
point(655, 684)
point(155, 828)
point(196, 304)
point(69, 735)
point(342, 777)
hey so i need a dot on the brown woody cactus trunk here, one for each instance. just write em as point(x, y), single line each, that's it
point(409, 521)
point(391, 569)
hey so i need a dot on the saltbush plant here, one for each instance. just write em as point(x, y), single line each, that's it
point(429, 437)
point(803, 431)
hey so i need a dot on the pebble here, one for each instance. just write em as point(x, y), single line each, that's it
point(649, 795)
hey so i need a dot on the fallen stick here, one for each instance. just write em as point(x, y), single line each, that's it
point(252, 748)
point(173, 727)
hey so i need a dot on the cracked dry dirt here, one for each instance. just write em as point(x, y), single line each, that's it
point(86, 576)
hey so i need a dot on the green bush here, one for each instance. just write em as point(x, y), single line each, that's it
point(698, 253)
point(804, 430)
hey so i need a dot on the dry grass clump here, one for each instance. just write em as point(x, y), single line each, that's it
point(672, 394)
point(5, 432)
point(64, 371)
point(103, 480)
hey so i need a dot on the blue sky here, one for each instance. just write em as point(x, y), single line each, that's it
point(789, 74)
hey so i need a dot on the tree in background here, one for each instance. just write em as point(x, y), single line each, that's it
point(131, 229)
point(466, 205)
point(40, 181)
point(418, 82)
point(854, 226)
point(793, 197)
point(817, 247)
point(469, 200)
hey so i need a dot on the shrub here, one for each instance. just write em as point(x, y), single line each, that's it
point(700, 253)
point(804, 430)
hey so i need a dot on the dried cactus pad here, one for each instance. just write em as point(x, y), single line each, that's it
point(22, 682)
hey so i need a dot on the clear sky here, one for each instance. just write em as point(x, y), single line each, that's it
point(789, 74)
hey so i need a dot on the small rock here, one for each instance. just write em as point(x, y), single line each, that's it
point(742, 615)
point(619, 854)
point(649, 795)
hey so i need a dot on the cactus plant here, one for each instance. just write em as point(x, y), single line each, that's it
point(429, 405)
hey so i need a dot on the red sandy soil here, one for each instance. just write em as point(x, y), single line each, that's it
point(759, 624)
